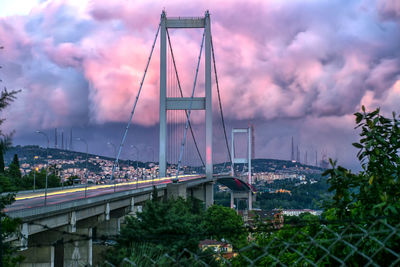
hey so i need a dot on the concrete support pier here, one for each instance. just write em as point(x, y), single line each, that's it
point(59, 247)
point(242, 195)
point(209, 194)
point(78, 251)
point(204, 192)
point(176, 190)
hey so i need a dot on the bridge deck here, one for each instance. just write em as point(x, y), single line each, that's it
point(29, 200)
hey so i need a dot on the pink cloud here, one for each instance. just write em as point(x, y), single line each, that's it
point(275, 60)
point(389, 9)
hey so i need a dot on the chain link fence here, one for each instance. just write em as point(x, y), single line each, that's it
point(317, 243)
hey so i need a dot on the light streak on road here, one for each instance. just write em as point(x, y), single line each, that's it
point(102, 186)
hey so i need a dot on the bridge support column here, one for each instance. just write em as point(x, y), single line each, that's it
point(176, 190)
point(208, 91)
point(45, 250)
point(250, 200)
point(78, 251)
point(42, 256)
point(232, 200)
point(205, 193)
point(209, 194)
point(242, 195)
point(109, 228)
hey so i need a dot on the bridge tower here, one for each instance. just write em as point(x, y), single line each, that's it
point(183, 103)
point(249, 152)
point(247, 196)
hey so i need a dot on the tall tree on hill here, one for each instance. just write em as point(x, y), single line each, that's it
point(5, 144)
point(1, 158)
point(6, 97)
point(14, 168)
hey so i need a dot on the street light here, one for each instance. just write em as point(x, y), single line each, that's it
point(34, 173)
point(47, 156)
point(86, 173)
point(152, 151)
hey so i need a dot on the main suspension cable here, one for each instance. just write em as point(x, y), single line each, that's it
point(219, 101)
point(134, 105)
point(190, 110)
point(180, 90)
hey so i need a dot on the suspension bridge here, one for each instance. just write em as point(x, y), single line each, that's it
point(99, 209)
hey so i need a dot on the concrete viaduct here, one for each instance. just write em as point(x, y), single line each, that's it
point(62, 234)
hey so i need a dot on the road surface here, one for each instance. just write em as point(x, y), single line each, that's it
point(37, 199)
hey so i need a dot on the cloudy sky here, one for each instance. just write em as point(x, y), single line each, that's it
point(292, 68)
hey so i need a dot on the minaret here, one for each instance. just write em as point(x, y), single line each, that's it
point(292, 156)
point(55, 138)
point(62, 140)
point(298, 154)
point(70, 140)
point(305, 160)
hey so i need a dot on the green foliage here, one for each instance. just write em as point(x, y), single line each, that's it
point(303, 196)
point(375, 191)
point(1, 159)
point(26, 182)
point(222, 198)
point(154, 194)
point(173, 226)
point(7, 183)
point(167, 225)
point(224, 223)
point(14, 168)
point(5, 144)
point(9, 226)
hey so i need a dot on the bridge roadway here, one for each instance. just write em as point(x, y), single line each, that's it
point(68, 214)
point(28, 200)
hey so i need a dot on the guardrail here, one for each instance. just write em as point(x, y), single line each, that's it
point(82, 203)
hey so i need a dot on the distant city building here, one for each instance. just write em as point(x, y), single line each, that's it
point(297, 212)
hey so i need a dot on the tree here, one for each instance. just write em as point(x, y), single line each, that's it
point(5, 144)
point(224, 223)
point(1, 157)
point(8, 226)
point(170, 226)
point(14, 168)
point(6, 97)
point(374, 191)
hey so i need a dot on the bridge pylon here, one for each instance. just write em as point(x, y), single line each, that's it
point(249, 152)
point(243, 161)
point(183, 103)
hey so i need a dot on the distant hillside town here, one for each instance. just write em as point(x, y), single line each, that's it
point(98, 168)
